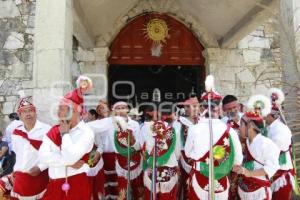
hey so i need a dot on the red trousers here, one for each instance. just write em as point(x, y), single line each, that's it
point(136, 187)
point(111, 178)
point(183, 186)
point(97, 185)
point(162, 196)
point(79, 189)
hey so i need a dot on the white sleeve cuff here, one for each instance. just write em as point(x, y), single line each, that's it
point(42, 166)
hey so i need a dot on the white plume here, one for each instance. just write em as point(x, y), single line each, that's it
point(83, 78)
point(279, 94)
point(209, 83)
point(260, 101)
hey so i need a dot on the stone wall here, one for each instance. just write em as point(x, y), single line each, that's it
point(16, 53)
point(92, 63)
point(252, 67)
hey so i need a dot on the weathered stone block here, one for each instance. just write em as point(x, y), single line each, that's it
point(251, 57)
point(8, 9)
point(8, 107)
point(14, 41)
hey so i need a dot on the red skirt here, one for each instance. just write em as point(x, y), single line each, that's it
point(285, 192)
point(26, 185)
point(79, 188)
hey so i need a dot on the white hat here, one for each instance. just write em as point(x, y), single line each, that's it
point(119, 103)
point(135, 112)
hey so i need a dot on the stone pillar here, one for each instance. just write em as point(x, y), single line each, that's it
point(288, 24)
point(297, 30)
point(289, 19)
point(52, 53)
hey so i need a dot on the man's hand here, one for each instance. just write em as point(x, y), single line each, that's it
point(64, 127)
point(96, 158)
point(237, 169)
point(35, 171)
point(78, 164)
point(241, 170)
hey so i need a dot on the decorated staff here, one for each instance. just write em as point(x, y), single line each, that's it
point(209, 84)
point(285, 179)
point(156, 99)
point(214, 148)
point(261, 154)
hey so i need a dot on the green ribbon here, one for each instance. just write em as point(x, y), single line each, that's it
point(264, 131)
point(296, 184)
point(123, 151)
point(282, 159)
point(163, 159)
point(182, 136)
point(249, 165)
point(224, 168)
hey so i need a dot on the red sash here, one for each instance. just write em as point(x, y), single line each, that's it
point(201, 179)
point(189, 161)
point(251, 184)
point(219, 142)
point(34, 143)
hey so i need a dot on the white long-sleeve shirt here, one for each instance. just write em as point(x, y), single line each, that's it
point(104, 130)
point(178, 126)
point(266, 152)
point(148, 139)
point(26, 155)
point(75, 144)
point(198, 139)
point(281, 135)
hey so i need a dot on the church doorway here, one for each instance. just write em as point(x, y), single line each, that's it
point(155, 51)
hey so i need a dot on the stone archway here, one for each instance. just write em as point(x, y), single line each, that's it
point(181, 53)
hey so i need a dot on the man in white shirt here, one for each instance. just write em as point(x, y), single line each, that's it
point(66, 150)
point(30, 175)
point(261, 154)
point(192, 111)
point(281, 135)
point(115, 131)
point(161, 136)
point(232, 117)
point(227, 150)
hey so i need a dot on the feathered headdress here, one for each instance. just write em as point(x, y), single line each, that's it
point(276, 95)
point(210, 90)
point(260, 103)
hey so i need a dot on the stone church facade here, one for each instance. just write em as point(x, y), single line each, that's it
point(45, 45)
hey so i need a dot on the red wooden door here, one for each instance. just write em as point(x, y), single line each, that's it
point(131, 47)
